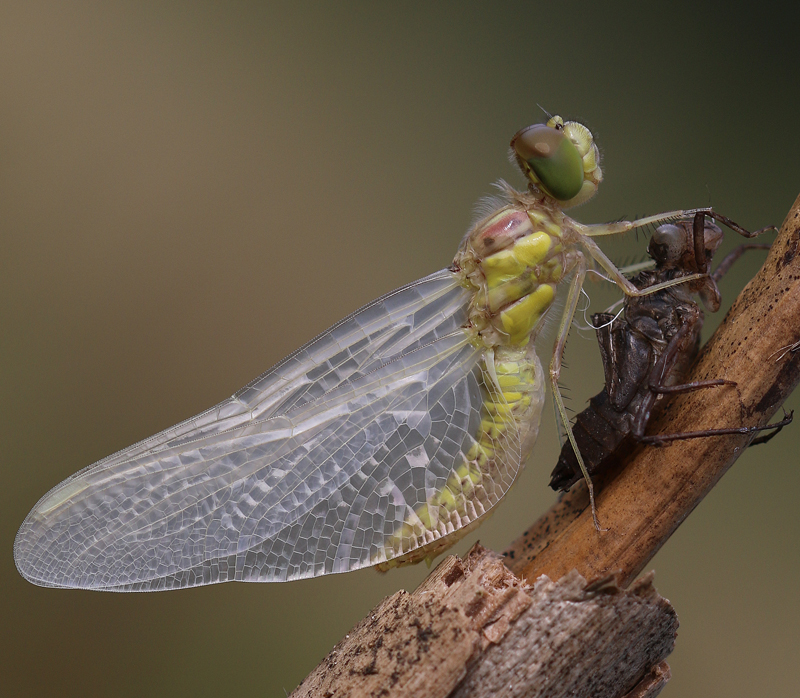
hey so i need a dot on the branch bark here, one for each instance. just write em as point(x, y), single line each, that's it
point(474, 628)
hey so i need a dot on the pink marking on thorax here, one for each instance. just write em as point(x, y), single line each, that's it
point(507, 225)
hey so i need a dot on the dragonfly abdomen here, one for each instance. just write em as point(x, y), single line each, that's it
point(513, 388)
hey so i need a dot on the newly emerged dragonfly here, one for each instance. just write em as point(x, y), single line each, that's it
point(648, 348)
point(381, 442)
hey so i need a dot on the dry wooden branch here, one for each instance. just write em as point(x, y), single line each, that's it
point(474, 629)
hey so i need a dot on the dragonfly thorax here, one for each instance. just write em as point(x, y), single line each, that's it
point(513, 260)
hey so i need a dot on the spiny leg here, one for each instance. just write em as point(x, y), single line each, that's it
point(632, 269)
point(602, 229)
point(699, 223)
point(555, 372)
point(620, 280)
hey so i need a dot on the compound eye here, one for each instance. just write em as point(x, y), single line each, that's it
point(552, 158)
point(668, 243)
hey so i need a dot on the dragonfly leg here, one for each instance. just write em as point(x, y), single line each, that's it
point(699, 242)
point(735, 227)
point(783, 351)
point(643, 416)
point(656, 386)
point(631, 269)
point(710, 291)
point(682, 436)
point(768, 437)
point(625, 285)
point(689, 387)
point(678, 345)
point(601, 229)
point(732, 256)
point(555, 372)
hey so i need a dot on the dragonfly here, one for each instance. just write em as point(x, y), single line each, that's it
point(381, 442)
point(648, 349)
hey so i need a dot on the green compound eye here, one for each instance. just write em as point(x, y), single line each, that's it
point(552, 159)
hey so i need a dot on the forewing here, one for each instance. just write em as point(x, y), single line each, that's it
point(305, 471)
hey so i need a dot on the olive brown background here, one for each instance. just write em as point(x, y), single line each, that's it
point(189, 191)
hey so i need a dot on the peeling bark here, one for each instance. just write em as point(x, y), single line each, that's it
point(474, 629)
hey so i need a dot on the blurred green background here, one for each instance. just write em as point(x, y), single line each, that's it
point(190, 191)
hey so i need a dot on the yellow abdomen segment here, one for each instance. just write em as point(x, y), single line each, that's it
point(513, 389)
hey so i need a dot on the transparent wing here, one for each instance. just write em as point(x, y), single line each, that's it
point(305, 471)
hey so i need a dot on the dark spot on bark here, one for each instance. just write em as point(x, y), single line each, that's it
point(371, 668)
point(474, 606)
point(424, 635)
point(770, 398)
point(456, 573)
point(784, 382)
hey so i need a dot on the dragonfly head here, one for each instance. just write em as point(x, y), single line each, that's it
point(559, 158)
point(672, 245)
